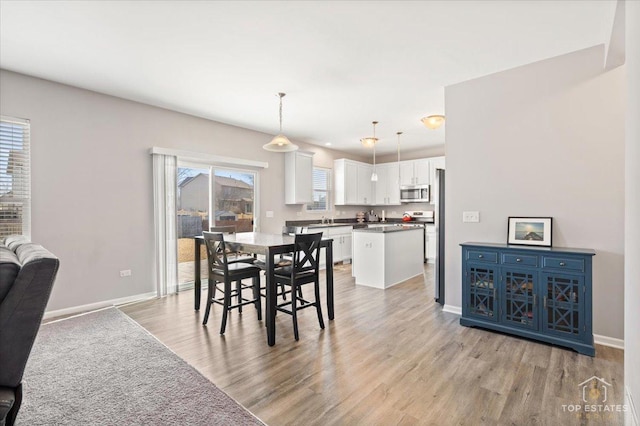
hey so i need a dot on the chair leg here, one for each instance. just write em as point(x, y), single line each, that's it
point(210, 292)
point(294, 309)
point(256, 295)
point(225, 307)
point(239, 291)
point(318, 308)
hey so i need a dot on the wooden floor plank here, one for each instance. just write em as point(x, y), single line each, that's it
point(391, 357)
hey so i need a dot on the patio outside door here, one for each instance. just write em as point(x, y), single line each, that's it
point(210, 196)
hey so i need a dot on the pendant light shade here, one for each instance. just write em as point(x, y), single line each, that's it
point(433, 121)
point(280, 143)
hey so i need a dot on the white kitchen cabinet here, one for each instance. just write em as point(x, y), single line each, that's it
point(415, 172)
point(342, 239)
point(431, 243)
point(341, 242)
point(298, 177)
point(365, 185)
point(387, 188)
point(352, 182)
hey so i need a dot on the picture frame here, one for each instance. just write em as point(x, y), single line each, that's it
point(530, 231)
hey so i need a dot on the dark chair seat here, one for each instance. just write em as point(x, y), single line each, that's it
point(220, 270)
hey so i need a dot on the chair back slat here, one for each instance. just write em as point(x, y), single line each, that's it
point(307, 253)
point(216, 251)
point(227, 229)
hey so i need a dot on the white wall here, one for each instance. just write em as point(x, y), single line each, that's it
point(632, 224)
point(545, 139)
point(92, 180)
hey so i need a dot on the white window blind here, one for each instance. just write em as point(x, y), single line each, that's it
point(15, 177)
point(321, 190)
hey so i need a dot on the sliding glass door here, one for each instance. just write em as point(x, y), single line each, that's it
point(210, 196)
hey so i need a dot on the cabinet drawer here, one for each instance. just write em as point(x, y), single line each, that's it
point(483, 256)
point(562, 263)
point(520, 259)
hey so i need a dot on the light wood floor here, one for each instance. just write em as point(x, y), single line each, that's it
point(391, 357)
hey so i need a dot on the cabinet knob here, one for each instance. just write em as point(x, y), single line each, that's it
point(480, 256)
point(563, 264)
point(518, 260)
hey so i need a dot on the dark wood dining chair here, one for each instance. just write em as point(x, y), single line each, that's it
point(221, 271)
point(305, 269)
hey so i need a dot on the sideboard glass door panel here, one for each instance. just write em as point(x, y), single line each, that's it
point(482, 292)
point(520, 296)
point(562, 304)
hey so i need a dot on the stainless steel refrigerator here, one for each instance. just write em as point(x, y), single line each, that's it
point(438, 200)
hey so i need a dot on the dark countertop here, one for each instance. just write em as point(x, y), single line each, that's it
point(386, 229)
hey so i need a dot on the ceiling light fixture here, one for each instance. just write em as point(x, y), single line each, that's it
point(280, 143)
point(433, 121)
point(371, 141)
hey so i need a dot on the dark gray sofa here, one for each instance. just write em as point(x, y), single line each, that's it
point(27, 273)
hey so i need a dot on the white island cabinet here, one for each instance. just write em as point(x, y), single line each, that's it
point(386, 256)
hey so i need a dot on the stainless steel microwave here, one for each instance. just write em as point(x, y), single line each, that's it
point(414, 194)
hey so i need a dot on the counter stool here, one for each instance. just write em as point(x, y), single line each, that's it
point(304, 270)
point(222, 271)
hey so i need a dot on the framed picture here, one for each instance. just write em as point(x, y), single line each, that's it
point(529, 231)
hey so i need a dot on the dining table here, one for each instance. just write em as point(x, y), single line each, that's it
point(268, 245)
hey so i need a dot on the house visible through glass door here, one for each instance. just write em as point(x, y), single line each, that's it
point(210, 196)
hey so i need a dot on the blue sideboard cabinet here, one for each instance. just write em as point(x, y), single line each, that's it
point(535, 292)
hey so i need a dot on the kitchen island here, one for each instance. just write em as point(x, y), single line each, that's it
point(384, 256)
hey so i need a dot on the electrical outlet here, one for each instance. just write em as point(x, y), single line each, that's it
point(298, 213)
point(125, 273)
point(269, 213)
point(471, 216)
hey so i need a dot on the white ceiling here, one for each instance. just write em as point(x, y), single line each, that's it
point(342, 64)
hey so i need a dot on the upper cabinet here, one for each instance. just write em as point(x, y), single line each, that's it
point(353, 184)
point(387, 189)
point(415, 172)
point(298, 177)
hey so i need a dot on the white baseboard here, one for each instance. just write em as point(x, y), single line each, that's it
point(452, 309)
point(93, 306)
point(608, 341)
point(631, 417)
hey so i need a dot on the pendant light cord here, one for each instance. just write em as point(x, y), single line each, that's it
point(280, 110)
point(398, 133)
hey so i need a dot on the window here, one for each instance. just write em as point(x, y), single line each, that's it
point(15, 183)
point(321, 190)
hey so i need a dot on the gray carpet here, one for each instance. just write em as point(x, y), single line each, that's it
point(103, 369)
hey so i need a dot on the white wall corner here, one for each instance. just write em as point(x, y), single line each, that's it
point(452, 309)
point(631, 416)
point(614, 54)
point(98, 305)
point(608, 341)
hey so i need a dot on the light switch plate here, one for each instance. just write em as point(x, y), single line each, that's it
point(471, 216)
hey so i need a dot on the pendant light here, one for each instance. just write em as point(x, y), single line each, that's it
point(433, 121)
point(280, 143)
point(371, 143)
